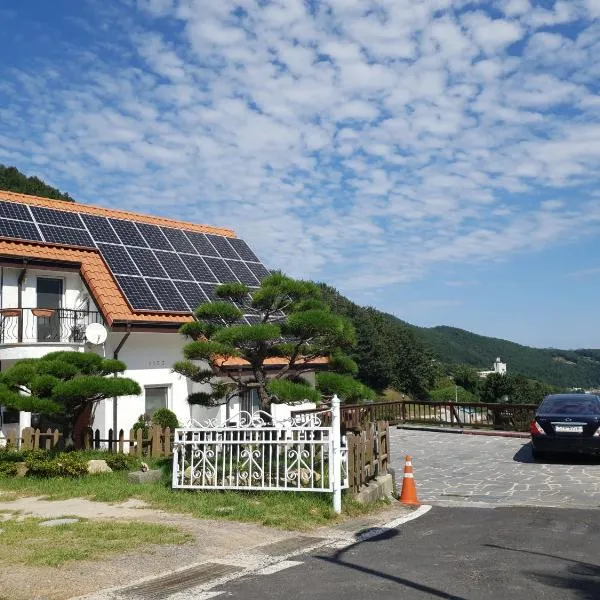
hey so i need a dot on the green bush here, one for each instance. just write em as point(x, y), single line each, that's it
point(142, 423)
point(10, 455)
point(8, 469)
point(60, 465)
point(122, 462)
point(165, 418)
point(451, 393)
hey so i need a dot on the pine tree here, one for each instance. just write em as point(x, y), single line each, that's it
point(289, 321)
point(63, 384)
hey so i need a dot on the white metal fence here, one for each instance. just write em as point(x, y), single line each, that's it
point(256, 452)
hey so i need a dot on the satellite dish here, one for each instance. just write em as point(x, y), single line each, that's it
point(95, 333)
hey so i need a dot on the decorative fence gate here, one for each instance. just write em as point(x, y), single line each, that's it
point(257, 452)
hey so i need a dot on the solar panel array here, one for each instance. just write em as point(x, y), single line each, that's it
point(158, 268)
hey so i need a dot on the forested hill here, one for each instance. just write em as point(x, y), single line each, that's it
point(12, 180)
point(564, 368)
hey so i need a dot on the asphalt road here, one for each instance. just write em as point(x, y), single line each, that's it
point(520, 553)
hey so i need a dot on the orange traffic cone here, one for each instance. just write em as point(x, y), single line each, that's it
point(409, 489)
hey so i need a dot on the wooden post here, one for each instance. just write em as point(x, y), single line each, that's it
point(36, 439)
point(155, 433)
point(97, 440)
point(167, 438)
point(56, 438)
point(121, 441)
point(88, 436)
point(139, 442)
point(110, 441)
point(131, 442)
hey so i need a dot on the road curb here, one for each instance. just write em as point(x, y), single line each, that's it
point(506, 434)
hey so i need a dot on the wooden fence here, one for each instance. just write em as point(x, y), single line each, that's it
point(158, 442)
point(368, 454)
point(509, 417)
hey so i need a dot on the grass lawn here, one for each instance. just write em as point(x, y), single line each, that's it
point(25, 542)
point(285, 510)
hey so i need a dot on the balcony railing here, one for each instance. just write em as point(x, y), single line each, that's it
point(45, 325)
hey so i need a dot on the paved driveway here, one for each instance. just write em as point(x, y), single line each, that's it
point(454, 469)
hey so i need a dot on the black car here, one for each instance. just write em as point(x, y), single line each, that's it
point(566, 423)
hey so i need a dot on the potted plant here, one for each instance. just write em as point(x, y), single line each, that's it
point(43, 312)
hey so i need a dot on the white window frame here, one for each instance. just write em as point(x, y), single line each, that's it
point(168, 386)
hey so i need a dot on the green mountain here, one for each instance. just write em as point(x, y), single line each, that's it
point(563, 368)
point(12, 180)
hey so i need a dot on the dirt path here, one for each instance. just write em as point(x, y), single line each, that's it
point(213, 540)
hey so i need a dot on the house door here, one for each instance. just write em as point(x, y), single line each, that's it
point(49, 295)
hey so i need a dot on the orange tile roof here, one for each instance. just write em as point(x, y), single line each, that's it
point(107, 212)
point(95, 273)
point(234, 361)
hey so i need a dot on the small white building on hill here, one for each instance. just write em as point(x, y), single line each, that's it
point(499, 367)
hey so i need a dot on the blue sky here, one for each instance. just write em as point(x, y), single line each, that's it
point(437, 159)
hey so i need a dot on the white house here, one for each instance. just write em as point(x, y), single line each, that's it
point(65, 265)
point(499, 367)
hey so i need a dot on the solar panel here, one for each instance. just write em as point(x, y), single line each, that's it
point(243, 249)
point(178, 240)
point(221, 270)
point(242, 272)
point(138, 293)
point(118, 260)
point(100, 229)
point(146, 262)
point(209, 291)
point(152, 276)
point(128, 233)
point(192, 294)
point(154, 236)
point(56, 217)
point(201, 243)
point(20, 230)
point(168, 296)
point(12, 210)
point(65, 235)
point(259, 270)
point(198, 268)
point(224, 248)
point(173, 265)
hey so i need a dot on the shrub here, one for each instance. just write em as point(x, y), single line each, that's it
point(142, 423)
point(122, 462)
point(10, 455)
point(8, 469)
point(60, 465)
point(165, 418)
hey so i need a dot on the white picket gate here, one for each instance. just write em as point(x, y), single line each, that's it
point(256, 452)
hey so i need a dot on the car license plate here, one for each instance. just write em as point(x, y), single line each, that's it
point(568, 428)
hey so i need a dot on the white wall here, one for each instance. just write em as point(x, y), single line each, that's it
point(75, 292)
point(149, 358)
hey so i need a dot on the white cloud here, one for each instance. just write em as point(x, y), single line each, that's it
point(492, 34)
point(362, 142)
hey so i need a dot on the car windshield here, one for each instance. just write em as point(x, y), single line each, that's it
point(570, 405)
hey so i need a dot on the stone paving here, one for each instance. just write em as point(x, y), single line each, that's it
point(454, 469)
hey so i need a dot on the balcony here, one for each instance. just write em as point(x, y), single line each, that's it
point(39, 328)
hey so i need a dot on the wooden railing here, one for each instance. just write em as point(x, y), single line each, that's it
point(508, 417)
point(158, 442)
point(368, 454)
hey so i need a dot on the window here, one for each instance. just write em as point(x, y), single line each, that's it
point(156, 397)
point(249, 401)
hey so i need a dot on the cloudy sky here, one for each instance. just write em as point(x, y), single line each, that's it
point(438, 159)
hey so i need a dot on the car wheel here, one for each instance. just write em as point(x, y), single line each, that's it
point(537, 455)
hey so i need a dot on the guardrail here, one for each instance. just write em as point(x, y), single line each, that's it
point(508, 417)
point(35, 325)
